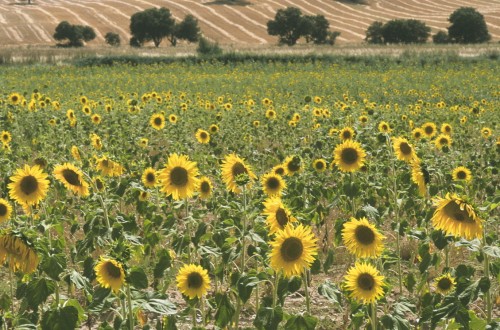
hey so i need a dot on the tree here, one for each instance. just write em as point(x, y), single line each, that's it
point(152, 24)
point(374, 33)
point(75, 34)
point(405, 31)
point(315, 28)
point(467, 26)
point(441, 37)
point(286, 25)
point(112, 39)
point(188, 30)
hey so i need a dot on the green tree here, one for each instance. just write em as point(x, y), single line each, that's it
point(152, 24)
point(374, 33)
point(286, 25)
point(467, 26)
point(315, 28)
point(75, 35)
point(441, 37)
point(187, 30)
point(112, 39)
point(405, 31)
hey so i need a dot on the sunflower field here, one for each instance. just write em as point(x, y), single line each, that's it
point(310, 195)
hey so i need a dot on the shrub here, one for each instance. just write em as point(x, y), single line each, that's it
point(112, 39)
point(374, 33)
point(75, 35)
point(208, 48)
point(467, 26)
point(188, 29)
point(441, 37)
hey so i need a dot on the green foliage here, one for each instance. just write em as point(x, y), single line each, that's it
point(65, 318)
point(208, 48)
point(441, 37)
point(74, 34)
point(467, 26)
point(152, 24)
point(188, 29)
point(405, 31)
point(374, 33)
point(112, 39)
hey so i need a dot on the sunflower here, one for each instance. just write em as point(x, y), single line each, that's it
point(202, 136)
point(429, 129)
point(99, 183)
point(5, 210)
point(86, 110)
point(193, 281)
point(233, 166)
point(347, 133)
point(15, 98)
point(419, 176)
point(445, 283)
point(279, 170)
point(362, 238)
point(277, 215)
point(384, 127)
point(18, 252)
point(292, 164)
point(293, 250)
point(110, 274)
point(349, 156)
point(456, 217)
point(143, 196)
point(96, 141)
point(256, 123)
point(442, 140)
point(5, 137)
point(84, 100)
point(179, 177)
point(486, 132)
point(75, 153)
point(108, 167)
point(272, 184)
point(157, 121)
point(149, 178)
point(270, 114)
point(365, 283)
point(461, 173)
point(446, 129)
point(96, 119)
point(29, 185)
point(403, 149)
point(72, 178)
point(417, 133)
point(363, 119)
point(213, 129)
point(319, 165)
point(205, 187)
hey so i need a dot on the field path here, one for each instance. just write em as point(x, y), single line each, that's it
point(242, 23)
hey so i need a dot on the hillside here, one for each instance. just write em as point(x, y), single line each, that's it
point(240, 23)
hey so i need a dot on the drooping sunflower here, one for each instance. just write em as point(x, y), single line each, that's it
point(446, 129)
point(5, 210)
point(486, 132)
point(417, 133)
point(403, 149)
point(72, 178)
point(277, 215)
point(6, 137)
point(347, 133)
point(364, 283)
point(157, 121)
point(108, 167)
point(205, 187)
point(429, 129)
point(110, 274)
point(420, 176)
point(384, 127)
point(18, 252)
point(292, 164)
point(349, 156)
point(461, 173)
point(319, 165)
point(293, 250)
point(193, 281)
point(149, 177)
point(75, 153)
point(362, 238)
point(442, 140)
point(272, 184)
point(29, 185)
point(179, 177)
point(445, 283)
point(456, 217)
point(233, 166)
point(202, 136)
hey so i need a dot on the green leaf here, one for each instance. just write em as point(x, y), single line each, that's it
point(200, 231)
point(484, 284)
point(79, 308)
point(268, 318)
point(439, 239)
point(163, 264)
point(225, 310)
point(79, 281)
point(38, 291)
point(138, 278)
point(410, 282)
point(159, 306)
point(54, 265)
point(492, 251)
point(300, 322)
point(475, 322)
point(331, 292)
point(246, 284)
point(65, 318)
point(5, 302)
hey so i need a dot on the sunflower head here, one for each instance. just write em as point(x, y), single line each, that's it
point(486, 132)
point(279, 170)
point(272, 184)
point(347, 133)
point(420, 176)
point(445, 283)
point(461, 173)
point(319, 165)
point(417, 133)
point(72, 178)
point(403, 149)
point(205, 187)
point(6, 137)
point(277, 215)
point(202, 136)
point(193, 281)
point(29, 185)
point(429, 129)
point(456, 217)
point(362, 238)
point(233, 167)
point(349, 156)
point(149, 178)
point(213, 129)
point(293, 164)
point(5, 210)
point(179, 177)
point(364, 283)
point(18, 252)
point(157, 121)
point(110, 274)
point(384, 127)
point(442, 140)
point(446, 129)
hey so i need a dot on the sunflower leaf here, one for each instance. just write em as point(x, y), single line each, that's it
point(60, 319)
point(38, 291)
point(331, 292)
point(225, 310)
point(300, 322)
point(159, 306)
point(138, 278)
point(492, 251)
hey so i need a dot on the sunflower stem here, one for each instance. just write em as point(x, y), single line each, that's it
point(243, 261)
point(130, 309)
point(306, 292)
point(374, 315)
point(11, 291)
point(188, 224)
point(275, 289)
point(447, 256)
point(193, 311)
point(487, 275)
point(57, 293)
point(257, 301)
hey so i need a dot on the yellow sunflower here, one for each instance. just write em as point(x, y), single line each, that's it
point(108, 167)
point(419, 176)
point(429, 129)
point(157, 121)
point(193, 281)
point(403, 149)
point(72, 178)
point(6, 137)
point(272, 184)
point(446, 129)
point(29, 185)
point(417, 133)
point(292, 164)
point(277, 215)
point(293, 250)
point(349, 156)
point(456, 217)
point(5, 210)
point(443, 140)
point(173, 119)
point(179, 177)
point(202, 136)
point(445, 283)
point(256, 123)
point(96, 141)
point(15, 98)
point(143, 196)
point(143, 142)
point(384, 127)
point(149, 178)
point(319, 165)
point(233, 166)
point(270, 114)
point(110, 274)
point(364, 283)
point(362, 238)
point(213, 129)
point(347, 133)
point(75, 153)
point(279, 170)
point(205, 187)
point(486, 132)
point(461, 173)
point(363, 119)
point(18, 252)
